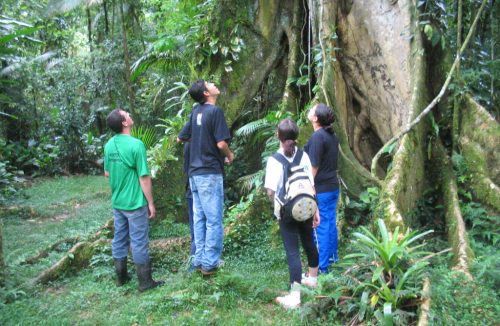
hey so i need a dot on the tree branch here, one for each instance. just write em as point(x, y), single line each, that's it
point(436, 99)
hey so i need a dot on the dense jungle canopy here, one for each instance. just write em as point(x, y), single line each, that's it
point(413, 84)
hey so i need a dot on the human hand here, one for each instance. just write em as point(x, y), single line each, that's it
point(229, 159)
point(316, 219)
point(152, 211)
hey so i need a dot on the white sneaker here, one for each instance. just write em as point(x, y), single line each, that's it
point(289, 301)
point(310, 281)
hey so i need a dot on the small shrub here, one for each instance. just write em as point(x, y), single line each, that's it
point(382, 280)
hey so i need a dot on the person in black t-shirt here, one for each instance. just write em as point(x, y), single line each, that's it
point(322, 148)
point(208, 136)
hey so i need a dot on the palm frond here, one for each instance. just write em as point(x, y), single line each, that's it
point(252, 127)
point(247, 182)
point(146, 134)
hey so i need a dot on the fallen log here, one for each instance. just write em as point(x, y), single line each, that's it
point(45, 252)
point(77, 257)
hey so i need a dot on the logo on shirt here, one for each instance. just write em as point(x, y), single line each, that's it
point(198, 119)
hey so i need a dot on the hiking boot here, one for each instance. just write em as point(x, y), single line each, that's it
point(213, 270)
point(146, 282)
point(122, 276)
point(310, 281)
point(190, 266)
point(193, 268)
point(291, 300)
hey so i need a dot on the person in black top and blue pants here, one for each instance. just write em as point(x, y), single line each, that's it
point(322, 148)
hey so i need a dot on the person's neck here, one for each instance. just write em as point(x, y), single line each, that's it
point(126, 131)
point(316, 126)
point(211, 100)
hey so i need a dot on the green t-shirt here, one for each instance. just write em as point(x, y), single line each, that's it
point(125, 160)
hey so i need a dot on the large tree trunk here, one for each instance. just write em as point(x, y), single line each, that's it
point(378, 74)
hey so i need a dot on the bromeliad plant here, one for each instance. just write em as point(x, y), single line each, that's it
point(388, 273)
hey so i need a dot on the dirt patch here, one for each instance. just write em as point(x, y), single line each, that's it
point(61, 217)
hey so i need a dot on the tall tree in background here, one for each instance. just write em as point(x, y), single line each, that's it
point(379, 64)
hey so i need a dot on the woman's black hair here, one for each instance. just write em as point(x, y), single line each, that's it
point(288, 132)
point(325, 116)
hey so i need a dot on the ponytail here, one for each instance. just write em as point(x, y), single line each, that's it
point(287, 134)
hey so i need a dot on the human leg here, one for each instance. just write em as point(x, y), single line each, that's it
point(321, 234)
point(191, 226)
point(120, 243)
point(139, 240)
point(305, 231)
point(211, 196)
point(289, 235)
point(139, 234)
point(199, 225)
point(333, 255)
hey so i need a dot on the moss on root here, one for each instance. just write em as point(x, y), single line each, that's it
point(457, 234)
point(479, 142)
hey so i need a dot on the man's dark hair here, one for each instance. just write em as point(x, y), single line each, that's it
point(325, 116)
point(197, 91)
point(114, 121)
point(288, 131)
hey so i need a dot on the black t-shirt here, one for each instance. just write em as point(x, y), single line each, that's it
point(204, 129)
point(323, 150)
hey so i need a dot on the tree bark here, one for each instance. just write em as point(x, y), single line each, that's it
point(2, 263)
point(457, 234)
point(106, 18)
point(131, 94)
point(89, 27)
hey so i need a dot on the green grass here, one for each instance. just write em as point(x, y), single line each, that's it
point(242, 293)
point(58, 208)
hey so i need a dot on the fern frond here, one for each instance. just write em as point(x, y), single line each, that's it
point(251, 127)
point(247, 182)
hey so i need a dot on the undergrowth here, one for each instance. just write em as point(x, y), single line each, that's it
point(242, 293)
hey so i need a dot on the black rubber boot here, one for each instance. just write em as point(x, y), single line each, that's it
point(146, 282)
point(121, 271)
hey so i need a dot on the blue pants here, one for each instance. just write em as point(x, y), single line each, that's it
point(326, 232)
point(131, 229)
point(208, 204)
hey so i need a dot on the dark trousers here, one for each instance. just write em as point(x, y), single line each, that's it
point(191, 226)
point(290, 232)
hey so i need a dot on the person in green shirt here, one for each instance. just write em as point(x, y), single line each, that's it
point(125, 163)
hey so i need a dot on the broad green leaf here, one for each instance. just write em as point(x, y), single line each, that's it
point(20, 32)
point(388, 317)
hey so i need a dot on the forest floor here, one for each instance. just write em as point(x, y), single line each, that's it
point(241, 293)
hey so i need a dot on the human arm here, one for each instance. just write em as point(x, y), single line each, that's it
point(147, 189)
point(185, 133)
point(106, 173)
point(224, 149)
point(270, 194)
